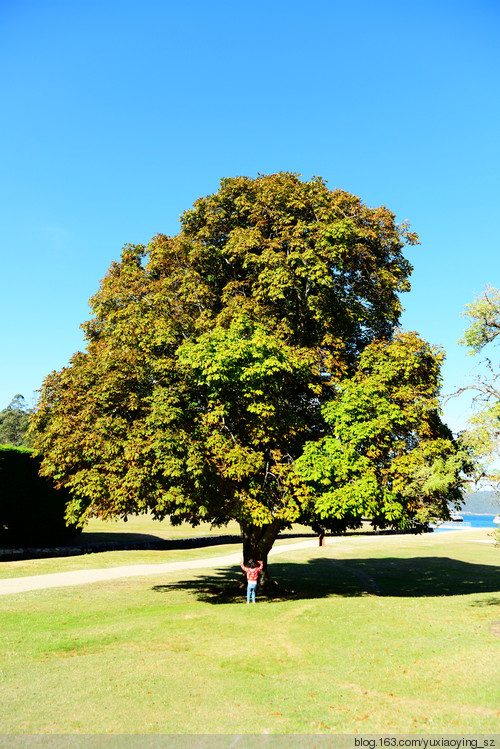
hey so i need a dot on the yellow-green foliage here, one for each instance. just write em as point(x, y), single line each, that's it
point(387, 455)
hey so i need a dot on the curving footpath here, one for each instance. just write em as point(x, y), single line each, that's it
point(84, 577)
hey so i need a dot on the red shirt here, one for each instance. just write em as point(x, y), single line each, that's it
point(252, 572)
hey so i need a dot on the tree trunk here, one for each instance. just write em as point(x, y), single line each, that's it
point(258, 541)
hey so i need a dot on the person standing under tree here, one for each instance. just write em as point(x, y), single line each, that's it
point(252, 573)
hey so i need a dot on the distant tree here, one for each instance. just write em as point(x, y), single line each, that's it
point(211, 355)
point(14, 422)
point(484, 433)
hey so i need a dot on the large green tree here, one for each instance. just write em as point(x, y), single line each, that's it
point(211, 354)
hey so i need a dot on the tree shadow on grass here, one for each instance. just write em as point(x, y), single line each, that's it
point(320, 578)
point(495, 601)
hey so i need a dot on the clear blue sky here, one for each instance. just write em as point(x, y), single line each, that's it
point(116, 116)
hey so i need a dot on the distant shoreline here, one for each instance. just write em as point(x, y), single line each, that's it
point(477, 514)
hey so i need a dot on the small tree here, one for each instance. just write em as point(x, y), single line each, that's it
point(211, 354)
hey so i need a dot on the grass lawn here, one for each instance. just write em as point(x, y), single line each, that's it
point(384, 635)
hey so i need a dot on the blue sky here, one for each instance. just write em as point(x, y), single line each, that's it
point(116, 116)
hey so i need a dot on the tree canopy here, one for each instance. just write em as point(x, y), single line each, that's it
point(386, 454)
point(214, 356)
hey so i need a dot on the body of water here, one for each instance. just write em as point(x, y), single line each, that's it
point(470, 521)
point(479, 521)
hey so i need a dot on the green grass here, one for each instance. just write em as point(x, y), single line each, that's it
point(384, 634)
point(162, 529)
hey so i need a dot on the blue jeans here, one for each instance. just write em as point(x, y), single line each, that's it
point(251, 591)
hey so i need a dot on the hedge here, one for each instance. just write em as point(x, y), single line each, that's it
point(31, 508)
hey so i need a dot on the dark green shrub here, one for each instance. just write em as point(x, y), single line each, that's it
point(31, 509)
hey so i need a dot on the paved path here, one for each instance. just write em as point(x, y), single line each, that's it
point(83, 577)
